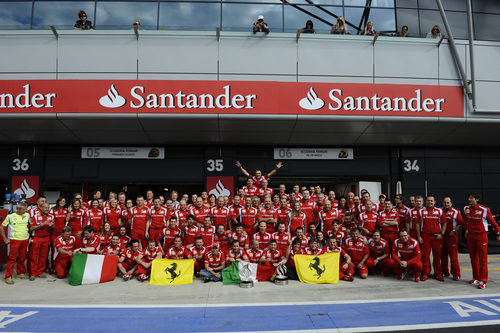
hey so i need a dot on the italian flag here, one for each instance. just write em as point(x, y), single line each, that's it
point(244, 271)
point(92, 268)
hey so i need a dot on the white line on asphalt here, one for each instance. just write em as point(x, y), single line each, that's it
point(390, 300)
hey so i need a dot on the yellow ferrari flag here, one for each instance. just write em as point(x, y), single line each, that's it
point(318, 269)
point(166, 272)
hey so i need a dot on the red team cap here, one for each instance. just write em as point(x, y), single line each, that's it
point(215, 244)
point(382, 196)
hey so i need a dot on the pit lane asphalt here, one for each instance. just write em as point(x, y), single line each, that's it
point(52, 291)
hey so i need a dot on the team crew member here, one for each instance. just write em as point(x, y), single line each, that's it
point(273, 256)
point(236, 253)
point(59, 212)
point(74, 220)
point(389, 223)
point(158, 220)
point(264, 190)
point(215, 262)
point(367, 221)
point(241, 236)
point(94, 216)
point(359, 253)
point(248, 217)
point(221, 214)
point(207, 232)
point(255, 253)
point(124, 238)
point(297, 219)
point(139, 222)
point(454, 223)
point(182, 213)
point(308, 208)
point(282, 237)
point(293, 250)
point(199, 211)
point(170, 233)
point(115, 248)
point(379, 255)
point(406, 256)
point(190, 230)
point(40, 201)
point(198, 252)
point(258, 177)
point(337, 233)
point(304, 242)
point(221, 236)
point(177, 251)
point(431, 227)
point(41, 226)
point(127, 265)
point(313, 249)
point(145, 259)
point(268, 215)
point(104, 237)
point(65, 246)
point(112, 215)
point(17, 237)
point(476, 218)
point(415, 216)
point(90, 241)
point(283, 212)
point(345, 259)
point(403, 211)
point(262, 236)
point(126, 213)
point(326, 216)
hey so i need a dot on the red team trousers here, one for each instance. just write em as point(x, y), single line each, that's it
point(142, 270)
point(17, 252)
point(450, 249)
point(415, 267)
point(61, 264)
point(431, 242)
point(155, 233)
point(384, 265)
point(39, 250)
point(478, 252)
point(140, 235)
point(390, 237)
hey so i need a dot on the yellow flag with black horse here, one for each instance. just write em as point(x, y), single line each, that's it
point(166, 272)
point(318, 269)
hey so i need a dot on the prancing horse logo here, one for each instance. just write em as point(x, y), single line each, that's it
point(171, 271)
point(315, 266)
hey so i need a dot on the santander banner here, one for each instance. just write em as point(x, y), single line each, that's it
point(229, 97)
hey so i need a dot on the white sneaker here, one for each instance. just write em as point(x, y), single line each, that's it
point(481, 285)
point(474, 282)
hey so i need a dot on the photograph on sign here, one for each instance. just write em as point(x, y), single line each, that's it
point(313, 153)
point(148, 153)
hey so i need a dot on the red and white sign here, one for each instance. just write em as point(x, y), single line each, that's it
point(229, 97)
point(27, 185)
point(220, 186)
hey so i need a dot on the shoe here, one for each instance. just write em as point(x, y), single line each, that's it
point(456, 277)
point(424, 278)
point(32, 278)
point(417, 279)
point(348, 278)
point(21, 276)
point(126, 277)
point(206, 279)
point(142, 277)
point(9, 280)
point(481, 285)
point(474, 282)
point(446, 274)
point(273, 277)
point(439, 278)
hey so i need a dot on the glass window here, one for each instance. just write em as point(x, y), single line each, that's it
point(189, 16)
point(318, 2)
point(457, 21)
point(15, 15)
point(296, 19)
point(406, 3)
point(409, 17)
point(483, 24)
point(374, 3)
point(61, 14)
point(486, 6)
point(121, 15)
point(384, 20)
point(242, 16)
point(447, 4)
point(269, 1)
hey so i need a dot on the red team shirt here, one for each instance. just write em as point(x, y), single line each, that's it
point(76, 220)
point(368, 221)
point(431, 220)
point(356, 249)
point(59, 219)
point(140, 217)
point(453, 219)
point(477, 217)
point(326, 219)
point(207, 234)
point(282, 240)
point(177, 253)
point(384, 216)
point(159, 218)
point(242, 238)
point(39, 219)
point(94, 218)
point(220, 216)
point(214, 261)
point(263, 239)
point(254, 256)
point(66, 245)
point(113, 217)
point(94, 242)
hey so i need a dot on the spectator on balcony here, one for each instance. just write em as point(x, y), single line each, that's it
point(340, 28)
point(309, 28)
point(403, 32)
point(136, 25)
point(260, 25)
point(435, 32)
point(369, 30)
point(83, 23)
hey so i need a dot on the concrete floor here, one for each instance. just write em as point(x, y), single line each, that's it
point(59, 292)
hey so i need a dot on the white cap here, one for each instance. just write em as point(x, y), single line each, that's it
point(260, 17)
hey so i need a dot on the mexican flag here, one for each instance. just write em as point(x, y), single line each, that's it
point(92, 268)
point(241, 270)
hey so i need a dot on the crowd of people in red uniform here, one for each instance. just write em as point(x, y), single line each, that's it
point(261, 226)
